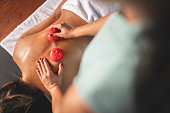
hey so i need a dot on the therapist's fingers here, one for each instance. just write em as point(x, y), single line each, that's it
point(58, 26)
point(47, 67)
point(58, 34)
point(65, 30)
point(39, 67)
point(42, 65)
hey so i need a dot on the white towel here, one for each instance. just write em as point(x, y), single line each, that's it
point(90, 10)
point(43, 12)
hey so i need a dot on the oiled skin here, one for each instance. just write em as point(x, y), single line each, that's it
point(30, 48)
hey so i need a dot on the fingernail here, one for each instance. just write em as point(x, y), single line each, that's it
point(36, 68)
point(38, 61)
point(61, 64)
point(40, 58)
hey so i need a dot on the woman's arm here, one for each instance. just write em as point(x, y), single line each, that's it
point(71, 102)
point(46, 23)
point(91, 29)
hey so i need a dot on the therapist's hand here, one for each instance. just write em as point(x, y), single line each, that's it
point(47, 77)
point(66, 30)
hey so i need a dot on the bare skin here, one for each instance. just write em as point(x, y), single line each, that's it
point(33, 44)
point(30, 48)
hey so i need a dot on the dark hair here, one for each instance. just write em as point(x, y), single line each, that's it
point(153, 73)
point(17, 97)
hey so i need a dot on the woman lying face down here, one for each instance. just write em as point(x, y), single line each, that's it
point(30, 48)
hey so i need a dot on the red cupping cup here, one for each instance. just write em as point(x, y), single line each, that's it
point(53, 30)
point(56, 54)
point(50, 35)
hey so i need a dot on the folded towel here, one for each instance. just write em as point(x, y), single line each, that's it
point(43, 12)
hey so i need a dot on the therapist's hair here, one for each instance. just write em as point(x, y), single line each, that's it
point(153, 72)
point(17, 97)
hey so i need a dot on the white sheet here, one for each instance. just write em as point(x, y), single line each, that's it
point(90, 10)
point(43, 12)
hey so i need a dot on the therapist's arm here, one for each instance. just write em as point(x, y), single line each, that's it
point(46, 23)
point(71, 102)
point(91, 29)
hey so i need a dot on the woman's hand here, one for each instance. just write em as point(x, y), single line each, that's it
point(47, 77)
point(66, 30)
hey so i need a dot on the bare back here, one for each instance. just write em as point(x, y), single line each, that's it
point(30, 48)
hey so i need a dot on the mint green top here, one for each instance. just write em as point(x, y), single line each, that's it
point(106, 74)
